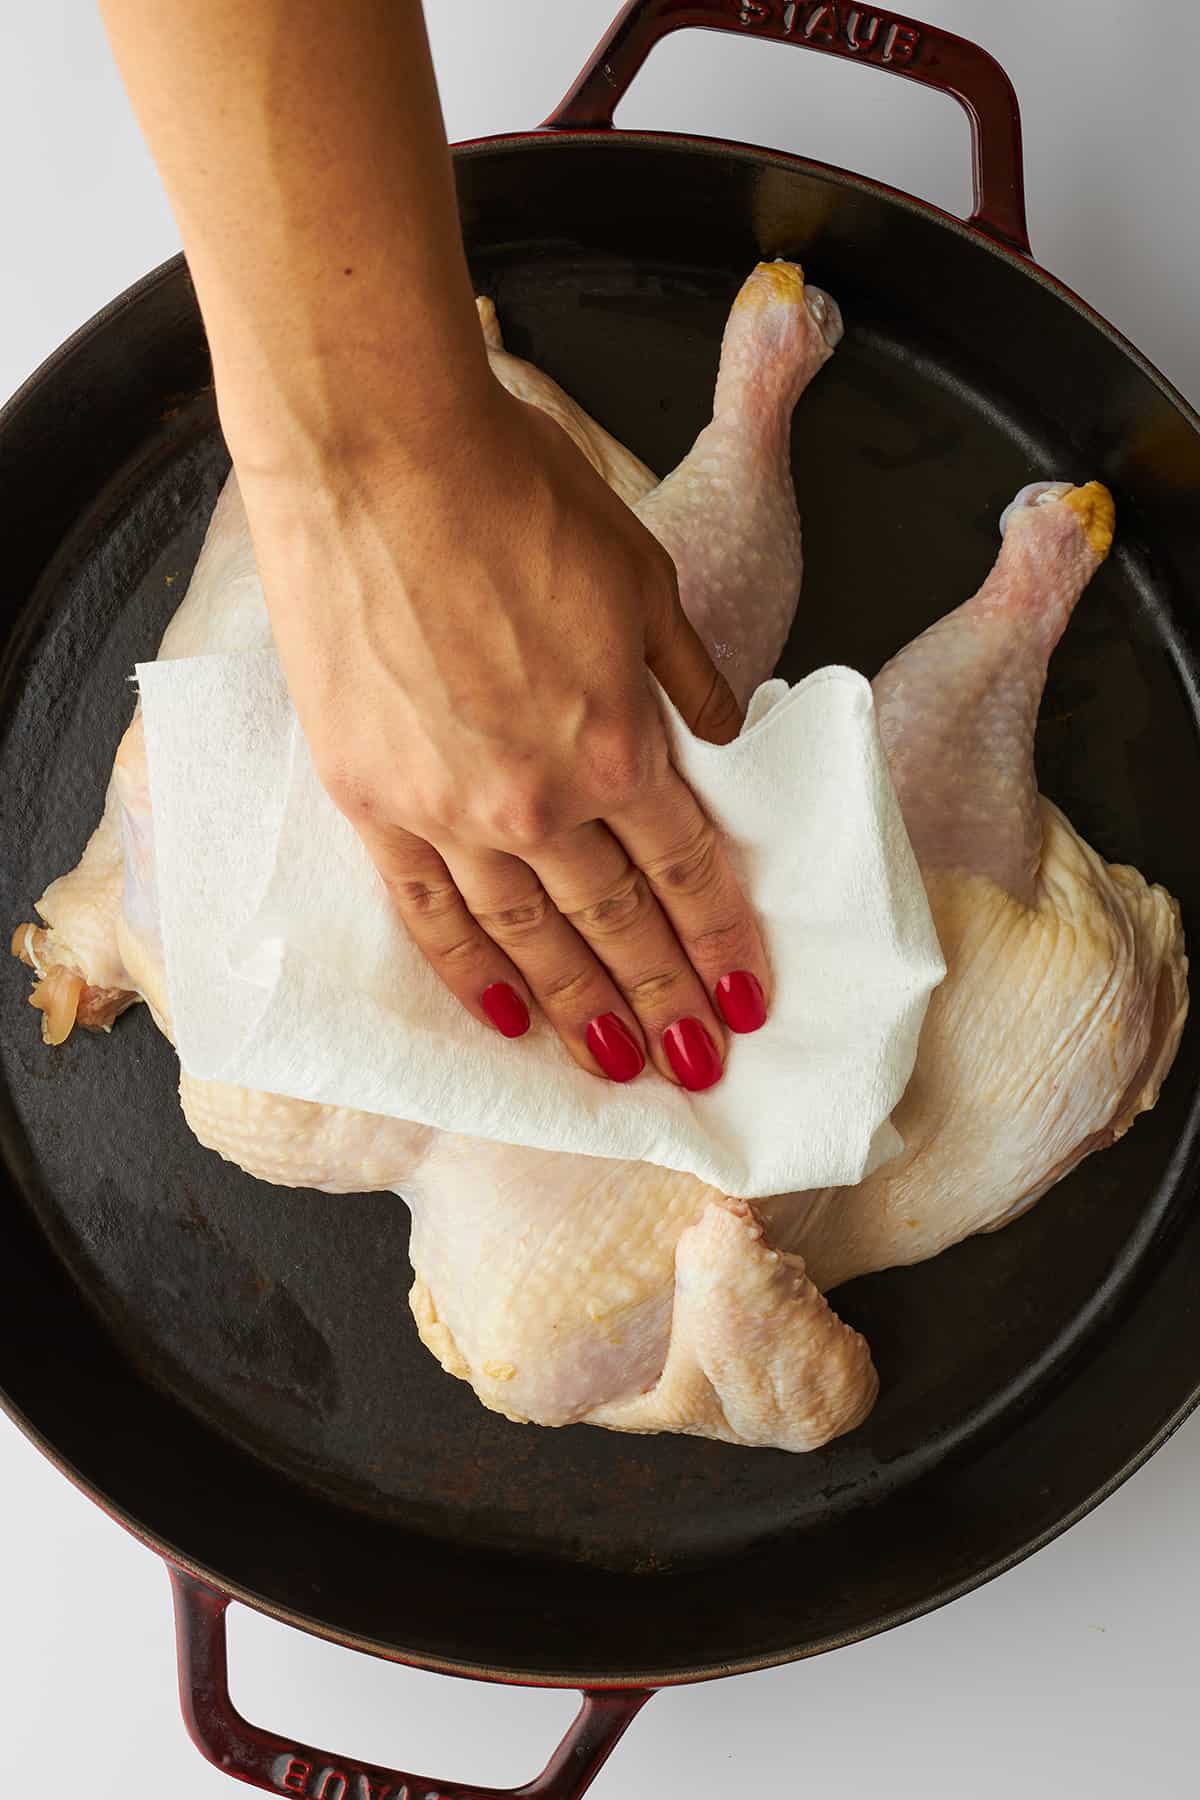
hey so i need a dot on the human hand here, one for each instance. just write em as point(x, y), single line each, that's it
point(466, 631)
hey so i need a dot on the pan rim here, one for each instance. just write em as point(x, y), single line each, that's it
point(605, 1680)
point(542, 139)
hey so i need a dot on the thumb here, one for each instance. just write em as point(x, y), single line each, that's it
point(676, 655)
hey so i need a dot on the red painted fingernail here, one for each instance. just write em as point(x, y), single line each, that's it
point(610, 1042)
point(692, 1054)
point(506, 1009)
point(740, 998)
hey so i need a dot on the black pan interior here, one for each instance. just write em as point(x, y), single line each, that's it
point(233, 1367)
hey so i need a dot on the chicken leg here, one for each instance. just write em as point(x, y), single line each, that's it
point(1066, 990)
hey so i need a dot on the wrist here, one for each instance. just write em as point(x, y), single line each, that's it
point(342, 409)
point(310, 501)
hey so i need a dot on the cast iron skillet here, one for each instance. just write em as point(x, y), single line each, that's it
point(230, 1370)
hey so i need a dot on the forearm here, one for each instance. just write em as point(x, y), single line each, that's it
point(302, 147)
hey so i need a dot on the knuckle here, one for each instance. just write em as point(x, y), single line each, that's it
point(568, 990)
point(351, 792)
point(457, 954)
point(724, 945)
point(624, 907)
point(621, 763)
point(510, 924)
point(657, 993)
point(423, 899)
point(523, 822)
point(379, 803)
point(436, 812)
point(693, 870)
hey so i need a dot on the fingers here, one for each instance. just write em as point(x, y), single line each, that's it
point(670, 837)
point(575, 991)
point(676, 655)
point(459, 950)
point(636, 941)
point(491, 933)
point(589, 877)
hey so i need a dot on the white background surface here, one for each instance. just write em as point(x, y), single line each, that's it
point(1076, 1674)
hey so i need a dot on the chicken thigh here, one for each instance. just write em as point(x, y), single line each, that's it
point(566, 1288)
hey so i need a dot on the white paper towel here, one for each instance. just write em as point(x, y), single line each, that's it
point(288, 971)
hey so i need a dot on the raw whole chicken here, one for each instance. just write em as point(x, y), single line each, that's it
point(568, 1288)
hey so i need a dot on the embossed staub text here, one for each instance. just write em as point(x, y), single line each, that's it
point(294, 1774)
point(854, 30)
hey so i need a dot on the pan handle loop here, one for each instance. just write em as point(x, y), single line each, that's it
point(864, 34)
point(281, 1766)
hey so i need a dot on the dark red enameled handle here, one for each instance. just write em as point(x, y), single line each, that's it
point(279, 1765)
point(861, 34)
